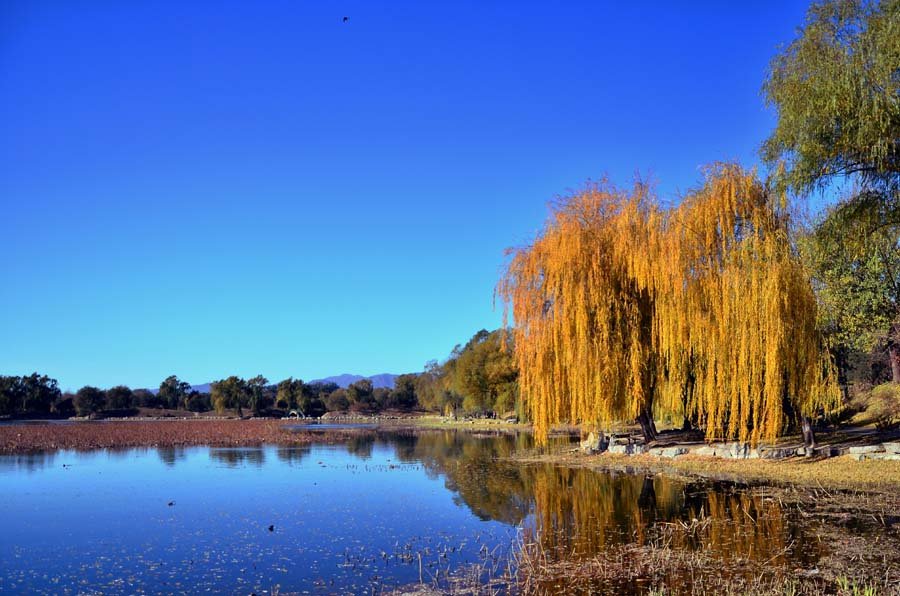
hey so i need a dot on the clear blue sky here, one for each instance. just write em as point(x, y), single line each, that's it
point(215, 188)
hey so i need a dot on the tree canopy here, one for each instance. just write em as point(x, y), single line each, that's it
point(854, 256)
point(837, 92)
point(623, 309)
point(230, 393)
point(172, 392)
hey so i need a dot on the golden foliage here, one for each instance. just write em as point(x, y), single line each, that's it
point(703, 310)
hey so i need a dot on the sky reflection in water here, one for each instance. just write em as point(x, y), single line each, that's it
point(346, 519)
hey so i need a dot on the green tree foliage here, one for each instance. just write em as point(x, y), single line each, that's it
point(478, 378)
point(337, 401)
point(854, 255)
point(361, 396)
point(431, 390)
point(119, 397)
point(11, 391)
point(381, 397)
point(306, 398)
point(39, 393)
point(312, 399)
point(145, 398)
point(30, 394)
point(258, 397)
point(65, 405)
point(89, 400)
point(837, 92)
point(172, 392)
point(198, 402)
point(289, 394)
point(230, 393)
point(403, 395)
point(485, 373)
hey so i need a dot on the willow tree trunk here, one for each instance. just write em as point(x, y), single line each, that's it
point(648, 428)
point(647, 498)
point(809, 437)
point(894, 352)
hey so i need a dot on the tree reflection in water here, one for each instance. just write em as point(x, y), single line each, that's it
point(579, 513)
point(171, 455)
point(238, 456)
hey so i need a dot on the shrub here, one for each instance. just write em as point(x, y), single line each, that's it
point(337, 401)
point(89, 400)
point(884, 406)
point(119, 398)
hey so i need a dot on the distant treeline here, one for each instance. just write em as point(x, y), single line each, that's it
point(478, 379)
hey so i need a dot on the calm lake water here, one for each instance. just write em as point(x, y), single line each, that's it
point(376, 513)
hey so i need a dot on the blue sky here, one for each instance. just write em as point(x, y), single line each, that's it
point(215, 188)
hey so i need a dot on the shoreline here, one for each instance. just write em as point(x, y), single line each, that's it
point(833, 473)
point(839, 473)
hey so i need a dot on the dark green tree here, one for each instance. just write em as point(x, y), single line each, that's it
point(403, 395)
point(361, 396)
point(65, 405)
point(89, 400)
point(119, 397)
point(172, 392)
point(38, 393)
point(288, 393)
point(854, 256)
point(230, 393)
point(484, 373)
point(198, 402)
point(337, 401)
point(837, 92)
point(836, 89)
point(145, 398)
point(11, 394)
point(257, 394)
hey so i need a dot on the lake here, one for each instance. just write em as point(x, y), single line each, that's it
point(382, 511)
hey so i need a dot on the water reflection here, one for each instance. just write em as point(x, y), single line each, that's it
point(293, 456)
point(335, 518)
point(234, 457)
point(580, 512)
point(26, 462)
point(171, 455)
point(361, 446)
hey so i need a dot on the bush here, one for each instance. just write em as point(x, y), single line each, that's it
point(119, 398)
point(199, 402)
point(65, 405)
point(337, 401)
point(146, 399)
point(884, 406)
point(89, 400)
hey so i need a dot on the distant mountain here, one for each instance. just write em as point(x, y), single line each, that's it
point(345, 380)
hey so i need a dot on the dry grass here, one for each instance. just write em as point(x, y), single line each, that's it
point(831, 473)
point(659, 569)
point(27, 438)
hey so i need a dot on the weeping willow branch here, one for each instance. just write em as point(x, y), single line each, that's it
point(622, 308)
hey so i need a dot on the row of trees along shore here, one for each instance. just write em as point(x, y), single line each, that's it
point(722, 310)
point(478, 378)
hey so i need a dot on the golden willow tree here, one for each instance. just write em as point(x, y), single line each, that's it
point(624, 310)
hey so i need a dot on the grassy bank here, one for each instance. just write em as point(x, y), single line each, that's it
point(841, 473)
